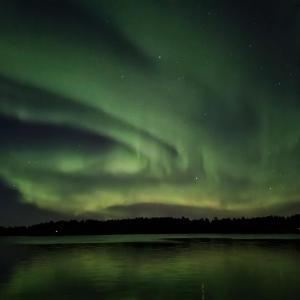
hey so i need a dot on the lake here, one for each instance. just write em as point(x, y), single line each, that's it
point(150, 267)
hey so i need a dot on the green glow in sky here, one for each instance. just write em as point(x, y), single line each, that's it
point(151, 108)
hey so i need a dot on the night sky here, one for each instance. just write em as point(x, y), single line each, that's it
point(122, 108)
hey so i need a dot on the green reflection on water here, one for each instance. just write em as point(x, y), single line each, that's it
point(178, 269)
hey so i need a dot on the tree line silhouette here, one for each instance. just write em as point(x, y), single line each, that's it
point(269, 224)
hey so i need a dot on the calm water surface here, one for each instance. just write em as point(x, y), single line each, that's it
point(150, 267)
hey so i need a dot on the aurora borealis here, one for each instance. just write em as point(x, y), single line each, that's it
point(127, 108)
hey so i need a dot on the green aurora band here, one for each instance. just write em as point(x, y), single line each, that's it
point(151, 108)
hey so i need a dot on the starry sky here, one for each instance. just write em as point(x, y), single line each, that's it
point(126, 108)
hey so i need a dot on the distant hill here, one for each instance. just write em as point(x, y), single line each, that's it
point(270, 224)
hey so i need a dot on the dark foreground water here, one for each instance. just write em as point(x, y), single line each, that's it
point(150, 267)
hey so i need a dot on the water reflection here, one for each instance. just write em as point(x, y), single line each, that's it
point(173, 269)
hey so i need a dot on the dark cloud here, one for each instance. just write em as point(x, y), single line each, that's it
point(14, 211)
point(164, 210)
point(37, 136)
